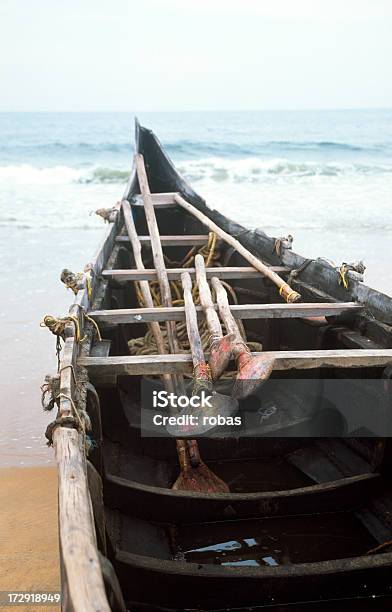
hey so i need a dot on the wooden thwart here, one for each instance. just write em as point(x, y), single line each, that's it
point(239, 311)
point(159, 200)
point(237, 272)
point(284, 360)
point(186, 240)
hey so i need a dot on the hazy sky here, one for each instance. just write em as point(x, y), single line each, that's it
point(195, 54)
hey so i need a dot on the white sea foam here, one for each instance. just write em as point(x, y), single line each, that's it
point(250, 190)
point(251, 169)
point(254, 169)
point(25, 174)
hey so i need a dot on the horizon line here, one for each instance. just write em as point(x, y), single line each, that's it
point(216, 110)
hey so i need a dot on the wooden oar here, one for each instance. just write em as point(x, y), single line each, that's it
point(284, 288)
point(218, 405)
point(202, 380)
point(220, 345)
point(251, 370)
point(182, 448)
point(194, 475)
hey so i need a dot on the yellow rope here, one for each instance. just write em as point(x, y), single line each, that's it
point(343, 275)
point(146, 344)
point(57, 326)
point(95, 326)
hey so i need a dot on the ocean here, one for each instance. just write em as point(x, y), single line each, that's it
point(323, 176)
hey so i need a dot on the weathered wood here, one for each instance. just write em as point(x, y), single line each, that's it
point(225, 310)
point(284, 289)
point(251, 371)
point(197, 477)
point(186, 240)
point(284, 360)
point(237, 272)
point(191, 322)
point(159, 200)
point(81, 572)
point(156, 248)
point(69, 355)
point(208, 306)
point(174, 383)
point(239, 311)
point(144, 286)
point(82, 569)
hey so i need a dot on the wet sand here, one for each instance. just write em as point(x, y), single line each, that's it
point(29, 555)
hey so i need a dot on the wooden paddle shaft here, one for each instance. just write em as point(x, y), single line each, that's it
point(224, 310)
point(206, 298)
point(191, 321)
point(144, 285)
point(284, 288)
point(182, 449)
point(156, 248)
point(186, 450)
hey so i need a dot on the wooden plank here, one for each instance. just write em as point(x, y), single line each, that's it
point(187, 240)
point(159, 200)
point(284, 360)
point(239, 311)
point(82, 570)
point(150, 274)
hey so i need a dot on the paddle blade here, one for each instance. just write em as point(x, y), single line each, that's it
point(220, 355)
point(200, 480)
point(251, 375)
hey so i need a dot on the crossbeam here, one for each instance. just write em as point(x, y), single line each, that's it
point(186, 240)
point(237, 272)
point(159, 200)
point(284, 360)
point(239, 311)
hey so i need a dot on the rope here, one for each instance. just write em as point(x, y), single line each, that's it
point(283, 241)
point(342, 271)
point(146, 345)
point(80, 421)
point(77, 281)
point(283, 287)
point(51, 388)
point(57, 327)
point(95, 325)
point(107, 214)
point(296, 272)
point(357, 267)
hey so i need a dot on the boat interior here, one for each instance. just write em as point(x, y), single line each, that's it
point(307, 520)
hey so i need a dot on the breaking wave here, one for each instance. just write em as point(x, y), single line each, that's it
point(257, 170)
point(217, 169)
point(55, 175)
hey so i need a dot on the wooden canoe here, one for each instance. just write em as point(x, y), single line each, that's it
point(307, 521)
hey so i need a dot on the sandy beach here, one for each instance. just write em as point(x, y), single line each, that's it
point(29, 555)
